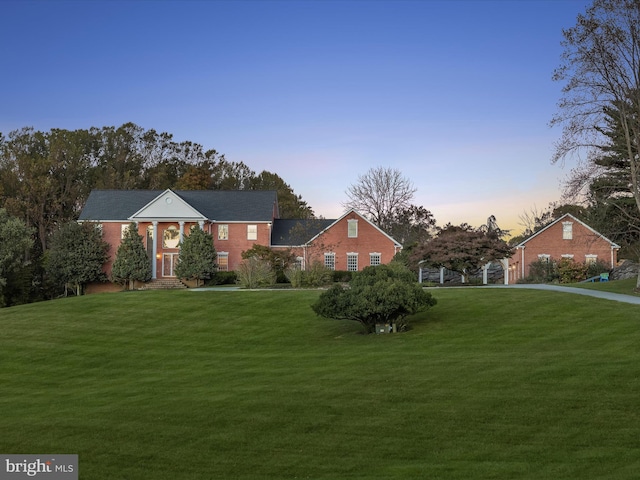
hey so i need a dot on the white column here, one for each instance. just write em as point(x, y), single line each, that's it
point(201, 223)
point(181, 231)
point(505, 269)
point(441, 275)
point(484, 274)
point(154, 262)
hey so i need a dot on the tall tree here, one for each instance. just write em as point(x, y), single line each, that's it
point(380, 194)
point(197, 260)
point(462, 249)
point(601, 96)
point(291, 205)
point(411, 225)
point(15, 242)
point(132, 262)
point(118, 160)
point(77, 256)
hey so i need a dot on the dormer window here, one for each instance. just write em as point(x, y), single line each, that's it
point(567, 230)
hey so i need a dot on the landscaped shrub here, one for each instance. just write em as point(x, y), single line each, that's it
point(570, 271)
point(295, 275)
point(342, 276)
point(279, 260)
point(385, 294)
point(566, 270)
point(542, 271)
point(596, 268)
point(224, 278)
point(317, 275)
point(254, 272)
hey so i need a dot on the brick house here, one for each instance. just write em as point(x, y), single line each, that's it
point(566, 237)
point(237, 220)
point(349, 243)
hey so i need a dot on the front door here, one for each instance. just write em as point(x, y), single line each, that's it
point(168, 264)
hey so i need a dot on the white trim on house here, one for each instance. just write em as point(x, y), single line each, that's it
point(167, 207)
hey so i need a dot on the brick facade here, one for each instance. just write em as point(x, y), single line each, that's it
point(336, 240)
point(237, 221)
point(234, 245)
point(565, 237)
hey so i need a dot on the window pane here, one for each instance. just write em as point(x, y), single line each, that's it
point(252, 232)
point(352, 262)
point(330, 261)
point(353, 228)
point(374, 259)
point(223, 262)
point(223, 232)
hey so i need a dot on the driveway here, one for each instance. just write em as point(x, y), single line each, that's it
point(618, 297)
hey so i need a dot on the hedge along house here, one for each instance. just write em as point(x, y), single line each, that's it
point(237, 220)
point(566, 237)
point(349, 243)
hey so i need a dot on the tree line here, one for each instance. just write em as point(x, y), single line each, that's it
point(46, 177)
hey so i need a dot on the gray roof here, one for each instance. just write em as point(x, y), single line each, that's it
point(294, 232)
point(218, 205)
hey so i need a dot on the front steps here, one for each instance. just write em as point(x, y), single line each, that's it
point(164, 284)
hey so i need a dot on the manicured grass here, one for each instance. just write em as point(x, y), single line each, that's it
point(489, 384)
point(626, 287)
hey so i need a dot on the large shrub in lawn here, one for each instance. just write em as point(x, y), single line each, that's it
point(384, 294)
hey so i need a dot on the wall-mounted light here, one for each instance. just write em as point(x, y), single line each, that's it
point(158, 256)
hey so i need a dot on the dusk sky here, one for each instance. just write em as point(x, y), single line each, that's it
point(457, 95)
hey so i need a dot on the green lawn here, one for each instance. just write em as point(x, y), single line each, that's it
point(626, 287)
point(489, 384)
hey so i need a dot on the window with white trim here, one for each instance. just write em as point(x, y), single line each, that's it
point(352, 262)
point(352, 228)
point(223, 232)
point(252, 232)
point(330, 261)
point(567, 230)
point(375, 259)
point(567, 255)
point(590, 259)
point(223, 261)
point(544, 257)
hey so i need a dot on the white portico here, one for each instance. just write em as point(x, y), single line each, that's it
point(163, 213)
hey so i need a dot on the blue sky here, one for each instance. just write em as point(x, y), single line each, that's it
point(457, 94)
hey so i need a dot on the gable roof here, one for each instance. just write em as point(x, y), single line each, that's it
point(168, 205)
point(287, 232)
point(216, 205)
point(296, 232)
point(565, 217)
